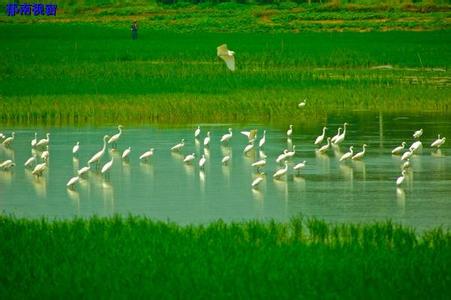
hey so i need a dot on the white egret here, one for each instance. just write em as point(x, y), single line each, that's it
point(279, 173)
point(35, 140)
point(401, 178)
point(9, 140)
point(30, 161)
point(202, 161)
point(251, 135)
point(45, 155)
point(262, 154)
point(290, 154)
point(226, 137)
point(96, 157)
point(299, 166)
point(179, 146)
point(227, 56)
point(83, 171)
point(189, 158)
point(326, 147)
point(262, 140)
point(39, 169)
point(72, 182)
point(282, 156)
point(342, 136)
point(347, 155)
point(197, 132)
point(225, 160)
point(7, 164)
point(76, 148)
point(416, 146)
point(418, 133)
point(259, 164)
point(406, 164)
point(320, 138)
point(256, 182)
point(438, 142)
point(248, 148)
point(302, 103)
point(113, 140)
point(43, 142)
point(107, 167)
point(360, 154)
point(399, 149)
point(406, 155)
point(337, 135)
point(207, 139)
point(126, 153)
point(146, 155)
point(290, 131)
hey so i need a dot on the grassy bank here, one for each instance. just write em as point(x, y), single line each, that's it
point(254, 16)
point(136, 257)
point(97, 75)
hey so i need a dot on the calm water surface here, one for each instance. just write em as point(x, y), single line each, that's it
point(166, 188)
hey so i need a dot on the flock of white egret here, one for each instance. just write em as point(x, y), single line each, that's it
point(38, 162)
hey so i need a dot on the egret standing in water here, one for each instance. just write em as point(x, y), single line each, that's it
point(189, 158)
point(290, 131)
point(113, 140)
point(399, 149)
point(9, 140)
point(401, 178)
point(320, 138)
point(262, 140)
point(96, 157)
point(107, 167)
point(326, 147)
point(43, 142)
point(146, 155)
point(227, 56)
point(438, 142)
point(7, 165)
point(337, 135)
point(299, 166)
point(418, 133)
point(72, 182)
point(279, 173)
point(39, 169)
point(76, 148)
point(197, 132)
point(30, 161)
point(207, 139)
point(342, 136)
point(202, 161)
point(226, 137)
point(126, 153)
point(347, 155)
point(361, 154)
point(35, 140)
point(179, 146)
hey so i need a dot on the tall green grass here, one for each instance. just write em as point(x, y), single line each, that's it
point(98, 75)
point(138, 257)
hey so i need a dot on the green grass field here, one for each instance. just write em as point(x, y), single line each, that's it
point(137, 257)
point(96, 74)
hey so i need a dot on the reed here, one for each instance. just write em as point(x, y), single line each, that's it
point(139, 257)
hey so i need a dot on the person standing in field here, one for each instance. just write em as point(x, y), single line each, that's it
point(134, 29)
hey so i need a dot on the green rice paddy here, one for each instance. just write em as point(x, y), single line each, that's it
point(137, 257)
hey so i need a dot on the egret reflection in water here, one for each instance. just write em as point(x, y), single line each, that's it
point(165, 187)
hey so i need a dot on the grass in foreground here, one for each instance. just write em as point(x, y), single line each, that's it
point(137, 257)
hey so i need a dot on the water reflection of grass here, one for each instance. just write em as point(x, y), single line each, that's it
point(303, 258)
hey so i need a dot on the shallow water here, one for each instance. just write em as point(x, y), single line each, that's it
point(166, 188)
